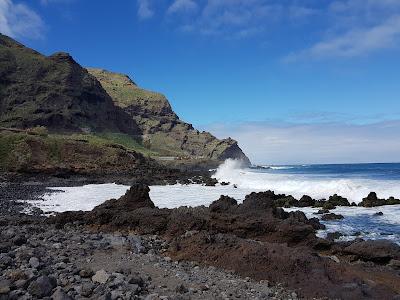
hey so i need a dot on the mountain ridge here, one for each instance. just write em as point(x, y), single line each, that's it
point(57, 93)
point(154, 115)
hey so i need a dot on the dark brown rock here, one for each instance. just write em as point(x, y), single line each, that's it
point(380, 251)
point(306, 201)
point(223, 204)
point(372, 200)
point(331, 217)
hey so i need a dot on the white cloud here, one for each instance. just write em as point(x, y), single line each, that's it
point(230, 18)
point(182, 6)
point(355, 42)
point(18, 20)
point(144, 10)
point(235, 17)
point(357, 28)
point(267, 143)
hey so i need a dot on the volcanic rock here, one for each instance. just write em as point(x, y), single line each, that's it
point(372, 200)
point(380, 251)
point(42, 286)
point(224, 203)
point(306, 201)
point(331, 217)
point(334, 201)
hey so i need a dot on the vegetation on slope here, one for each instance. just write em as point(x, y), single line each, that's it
point(163, 132)
point(29, 151)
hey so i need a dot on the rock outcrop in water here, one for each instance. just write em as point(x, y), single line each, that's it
point(372, 200)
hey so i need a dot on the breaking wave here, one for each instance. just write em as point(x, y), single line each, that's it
point(298, 185)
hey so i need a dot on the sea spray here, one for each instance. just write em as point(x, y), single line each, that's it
point(230, 171)
point(297, 185)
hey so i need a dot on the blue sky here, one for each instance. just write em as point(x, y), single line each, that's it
point(235, 65)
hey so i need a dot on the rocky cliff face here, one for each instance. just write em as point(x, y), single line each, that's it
point(55, 92)
point(162, 129)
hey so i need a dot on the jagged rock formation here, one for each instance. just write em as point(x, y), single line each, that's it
point(55, 92)
point(163, 131)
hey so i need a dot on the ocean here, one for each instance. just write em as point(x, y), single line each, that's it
point(353, 181)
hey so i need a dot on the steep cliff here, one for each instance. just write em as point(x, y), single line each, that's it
point(55, 92)
point(162, 129)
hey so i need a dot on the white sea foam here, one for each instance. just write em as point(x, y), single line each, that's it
point(279, 167)
point(298, 185)
point(361, 220)
point(83, 198)
point(87, 197)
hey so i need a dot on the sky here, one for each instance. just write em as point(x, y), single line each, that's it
point(294, 81)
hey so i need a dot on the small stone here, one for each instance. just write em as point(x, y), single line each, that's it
point(42, 286)
point(5, 260)
point(395, 264)
point(4, 289)
point(116, 294)
point(86, 273)
point(167, 259)
point(19, 240)
point(136, 279)
point(34, 262)
point(101, 277)
point(152, 297)
point(87, 289)
point(181, 289)
point(59, 294)
point(17, 275)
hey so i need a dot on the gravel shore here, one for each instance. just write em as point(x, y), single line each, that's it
point(39, 261)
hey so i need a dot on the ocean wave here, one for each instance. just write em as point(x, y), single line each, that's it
point(281, 167)
point(355, 189)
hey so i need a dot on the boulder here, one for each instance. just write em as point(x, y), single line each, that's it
point(101, 277)
point(42, 287)
point(336, 200)
point(306, 201)
point(287, 201)
point(392, 201)
point(59, 294)
point(322, 212)
point(259, 201)
point(372, 200)
point(331, 236)
point(379, 251)
point(331, 217)
point(136, 197)
point(224, 203)
point(34, 262)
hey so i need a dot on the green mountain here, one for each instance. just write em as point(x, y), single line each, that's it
point(57, 93)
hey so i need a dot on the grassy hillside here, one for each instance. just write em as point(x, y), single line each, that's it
point(126, 92)
point(81, 153)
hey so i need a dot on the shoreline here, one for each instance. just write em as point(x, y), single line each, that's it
point(225, 236)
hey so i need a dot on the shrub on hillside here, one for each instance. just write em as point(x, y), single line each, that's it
point(38, 130)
